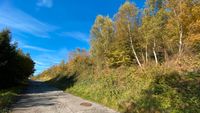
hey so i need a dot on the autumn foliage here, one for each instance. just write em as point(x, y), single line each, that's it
point(139, 61)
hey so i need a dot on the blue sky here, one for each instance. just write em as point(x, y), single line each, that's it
point(50, 29)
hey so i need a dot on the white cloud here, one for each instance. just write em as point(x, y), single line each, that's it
point(37, 48)
point(77, 35)
point(23, 45)
point(39, 63)
point(46, 60)
point(45, 3)
point(18, 20)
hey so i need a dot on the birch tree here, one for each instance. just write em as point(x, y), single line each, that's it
point(126, 31)
point(153, 27)
point(180, 17)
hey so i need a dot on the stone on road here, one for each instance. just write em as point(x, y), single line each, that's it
point(42, 98)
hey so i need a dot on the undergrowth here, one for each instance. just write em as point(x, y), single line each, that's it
point(7, 96)
point(152, 89)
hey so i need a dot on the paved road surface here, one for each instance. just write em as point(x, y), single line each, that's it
point(41, 98)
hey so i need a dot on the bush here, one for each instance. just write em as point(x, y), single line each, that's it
point(15, 66)
point(129, 89)
point(7, 96)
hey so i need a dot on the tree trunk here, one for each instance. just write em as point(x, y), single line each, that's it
point(165, 54)
point(143, 57)
point(134, 52)
point(146, 54)
point(133, 49)
point(154, 52)
point(180, 39)
point(180, 32)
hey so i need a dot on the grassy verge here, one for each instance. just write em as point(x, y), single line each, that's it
point(133, 91)
point(172, 87)
point(7, 96)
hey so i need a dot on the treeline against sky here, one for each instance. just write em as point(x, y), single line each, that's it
point(15, 66)
point(163, 29)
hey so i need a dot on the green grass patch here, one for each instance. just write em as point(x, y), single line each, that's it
point(7, 96)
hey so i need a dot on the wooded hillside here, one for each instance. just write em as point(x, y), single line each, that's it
point(140, 60)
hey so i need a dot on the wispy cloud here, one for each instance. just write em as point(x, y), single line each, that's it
point(45, 3)
point(37, 48)
point(16, 19)
point(77, 35)
point(46, 60)
point(23, 45)
point(39, 63)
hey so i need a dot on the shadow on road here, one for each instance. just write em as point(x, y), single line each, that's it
point(37, 94)
point(64, 82)
point(38, 87)
point(39, 97)
point(41, 94)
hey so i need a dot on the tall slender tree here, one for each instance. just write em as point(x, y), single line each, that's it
point(102, 34)
point(126, 32)
point(180, 17)
point(153, 27)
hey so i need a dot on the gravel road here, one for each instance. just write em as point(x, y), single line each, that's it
point(42, 98)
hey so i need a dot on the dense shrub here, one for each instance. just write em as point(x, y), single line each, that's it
point(15, 66)
point(131, 89)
